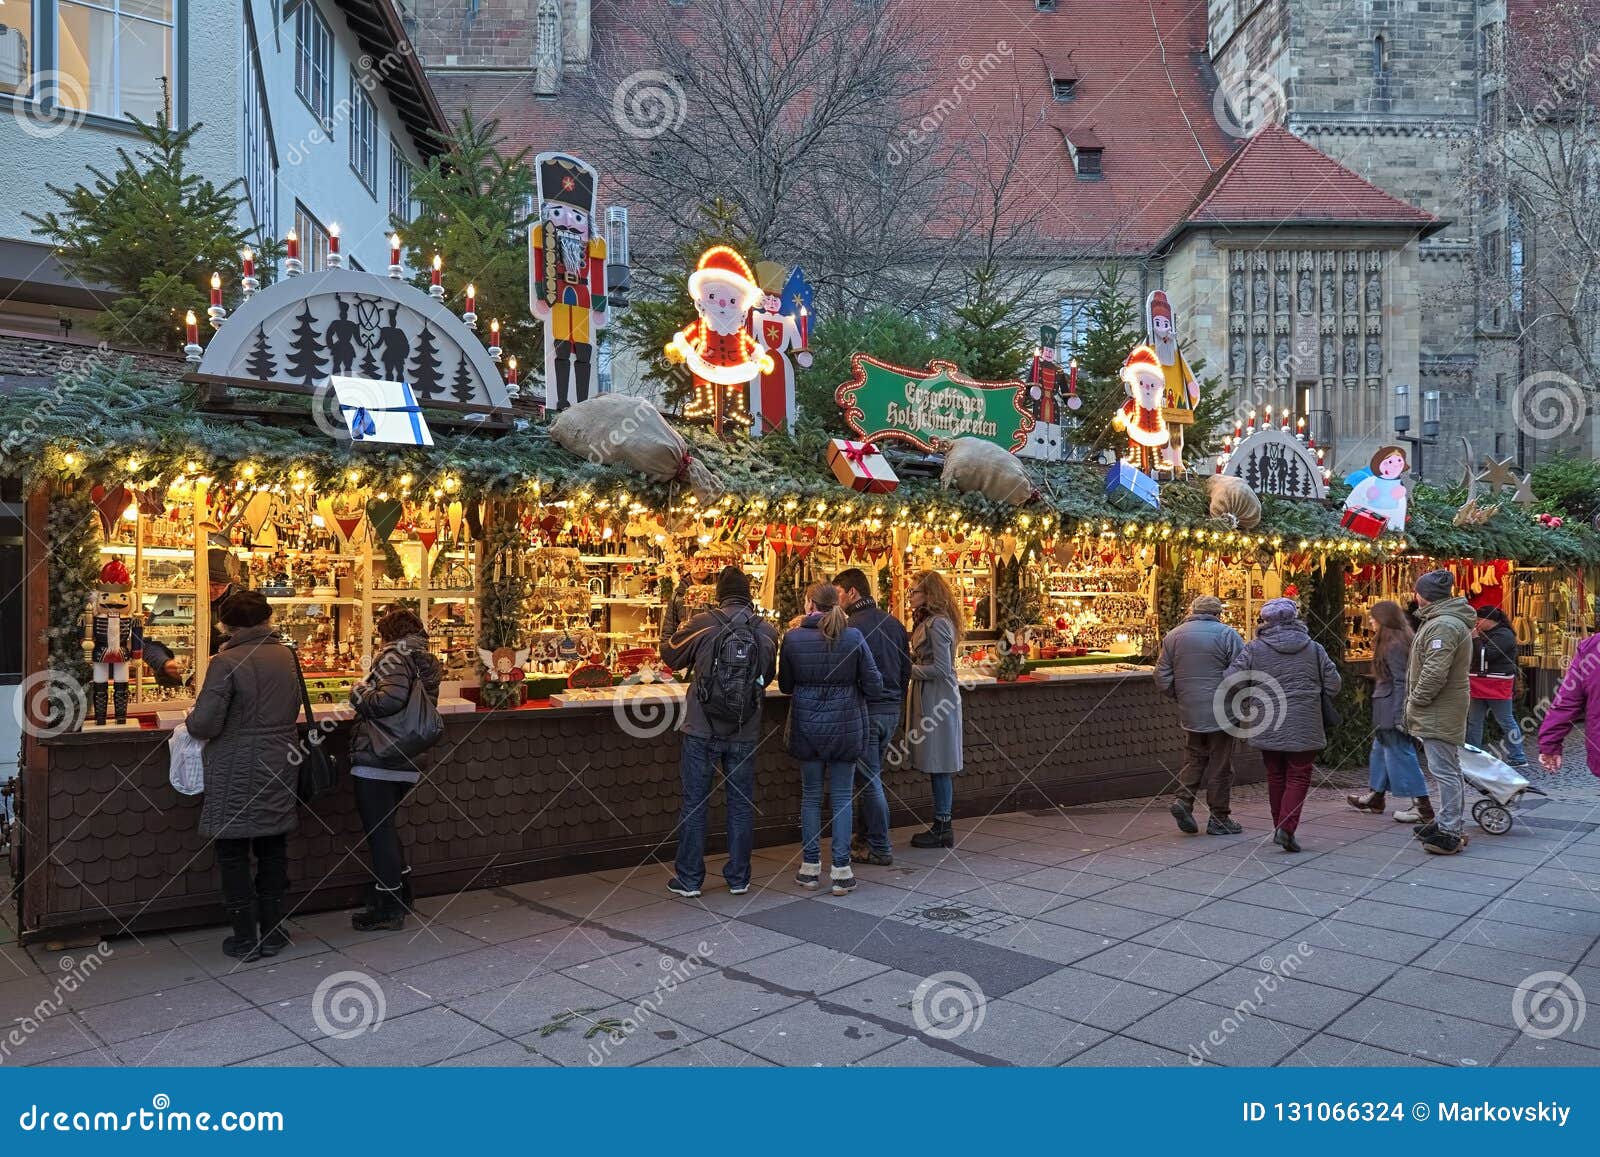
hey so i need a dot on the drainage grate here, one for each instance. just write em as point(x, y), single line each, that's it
point(969, 921)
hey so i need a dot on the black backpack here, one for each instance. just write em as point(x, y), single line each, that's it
point(729, 690)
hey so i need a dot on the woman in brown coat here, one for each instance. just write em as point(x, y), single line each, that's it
point(246, 712)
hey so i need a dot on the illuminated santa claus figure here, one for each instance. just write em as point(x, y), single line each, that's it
point(1140, 416)
point(718, 348)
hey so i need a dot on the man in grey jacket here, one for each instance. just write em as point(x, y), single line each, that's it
point(1194, 656)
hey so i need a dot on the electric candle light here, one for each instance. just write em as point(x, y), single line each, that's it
point(247, 267)
point(494, 339)
point(215, 312)
point(192, 328)
point(216, 289)
point(470, 316)
point(335, 261)
point(394, 255)
point(291, 253)
point(436, 289)
point(511, 371)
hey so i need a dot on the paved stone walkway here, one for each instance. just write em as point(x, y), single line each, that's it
point(1082, 936)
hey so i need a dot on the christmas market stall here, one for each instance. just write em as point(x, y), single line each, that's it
point(345, 442)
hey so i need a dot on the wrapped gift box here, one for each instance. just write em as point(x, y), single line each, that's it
point(861, 467)
point(1366, 523)
point(1131, 489)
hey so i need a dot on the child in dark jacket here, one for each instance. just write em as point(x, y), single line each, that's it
point(1494, 681)
point(826, 666)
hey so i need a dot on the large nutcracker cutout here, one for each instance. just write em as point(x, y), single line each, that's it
point(718, 347)
point(567, 271)
point(1048, 390)
point(116, 637)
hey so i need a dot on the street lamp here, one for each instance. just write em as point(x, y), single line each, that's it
point(1402, 423)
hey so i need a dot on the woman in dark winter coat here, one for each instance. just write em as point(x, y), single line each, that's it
point(824, 663)
point(381, 776)
point(1393, 765)
point(1277, 685)
point(934, 730)
point(1493, 680)
point(246, 712)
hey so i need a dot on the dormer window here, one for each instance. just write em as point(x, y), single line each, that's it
point(1044, 5)
point(1086, 151)
point(1063, 89)
point(1063, 77)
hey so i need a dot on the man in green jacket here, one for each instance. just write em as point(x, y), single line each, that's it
point(1437, 702)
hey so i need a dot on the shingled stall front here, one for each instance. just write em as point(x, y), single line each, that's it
point(544, 577)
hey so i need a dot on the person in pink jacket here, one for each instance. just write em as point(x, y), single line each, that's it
point(1577, 698)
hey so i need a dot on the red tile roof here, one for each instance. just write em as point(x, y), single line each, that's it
point(1144, 92)
point(1278, 178)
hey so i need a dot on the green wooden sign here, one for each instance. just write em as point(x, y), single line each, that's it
point(931, 408)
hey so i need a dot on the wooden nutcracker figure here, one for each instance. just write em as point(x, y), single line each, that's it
point(1181, 386)
point(1046, 384)
point(116, 637)
point(718, 348)
point(567, 274)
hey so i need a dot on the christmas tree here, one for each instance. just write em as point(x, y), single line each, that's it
point(305, 351)
point(461, 388)
point(426, 372)
point(1114, 328)
point(883, 333)
point(987, 331)
point(475, 203)
point(260, 363)
point(369, 365)
point(152, 231)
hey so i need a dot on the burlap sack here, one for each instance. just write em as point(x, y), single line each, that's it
point(971, 464)
point(1233, 502)
point(622, 430)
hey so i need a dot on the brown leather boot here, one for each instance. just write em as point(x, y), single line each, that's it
point(1370, 801)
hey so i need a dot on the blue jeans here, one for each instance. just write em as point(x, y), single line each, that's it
point(840, 779)
point(701, 757)
point(1393, 767)
point(944, 794)
point(1504, 712)
point(881, 725)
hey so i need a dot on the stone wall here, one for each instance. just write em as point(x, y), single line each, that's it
point(493, 34)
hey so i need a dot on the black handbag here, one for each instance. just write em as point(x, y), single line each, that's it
point(318, 774)
point(399, 738)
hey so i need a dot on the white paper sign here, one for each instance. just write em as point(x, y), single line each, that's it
point(378, 411)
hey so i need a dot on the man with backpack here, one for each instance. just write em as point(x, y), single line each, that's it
point(891, 651)
point(732, 653)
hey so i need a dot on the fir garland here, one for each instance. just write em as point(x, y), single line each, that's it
point(72, 567)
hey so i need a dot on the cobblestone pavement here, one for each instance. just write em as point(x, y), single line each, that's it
point(1080, 936)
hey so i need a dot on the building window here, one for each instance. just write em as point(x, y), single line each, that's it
point(399, 183)
point(260, 153)
point(115, 56)
point(1087, 163)
point(1500, 446)
point(603, 363)
point(1380, 57)
point(313, 239)
point(313, 62)
point(16, 46)
point(363, 135)
point(1499, 389)
point(1074, 327)
point(1063, 89)
point(1516, 258)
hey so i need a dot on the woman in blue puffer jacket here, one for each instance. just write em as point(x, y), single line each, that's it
point(825, 665)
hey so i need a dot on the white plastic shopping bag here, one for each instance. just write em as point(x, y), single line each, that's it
point(185, 761)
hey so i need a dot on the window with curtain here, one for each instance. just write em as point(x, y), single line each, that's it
point(313, 61)
point(363, 134)
point(115, 56)
point(399, 183)
point(16, 46)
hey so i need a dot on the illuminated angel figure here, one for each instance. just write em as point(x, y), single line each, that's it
point(718, 348)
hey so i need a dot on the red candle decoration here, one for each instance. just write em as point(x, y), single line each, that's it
point(333, 239)
point(511, 371)
point(472, 299)
point(216, 289)
point(291, 246)
point(191, 328)
point(438, 268)
point(1072, 376)
point(805, 327)
point(494, 332)
point(247, 262)
point(394, 249)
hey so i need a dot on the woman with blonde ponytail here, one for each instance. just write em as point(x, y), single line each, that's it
point(825, 665)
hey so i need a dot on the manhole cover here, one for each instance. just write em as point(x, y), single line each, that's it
point(968, 921)
point(946, 914)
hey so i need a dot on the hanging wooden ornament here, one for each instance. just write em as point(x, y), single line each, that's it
point(109, 505)
point(453, 518)
point(385, 515)
point(257, 509)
